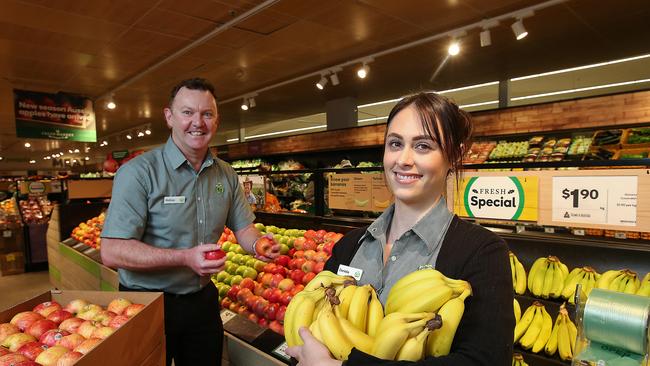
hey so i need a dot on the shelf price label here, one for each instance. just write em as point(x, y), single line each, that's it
point(595, 200)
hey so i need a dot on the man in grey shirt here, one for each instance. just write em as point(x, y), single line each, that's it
point(168, 208)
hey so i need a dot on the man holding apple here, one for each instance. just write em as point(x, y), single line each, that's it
point(168, 208)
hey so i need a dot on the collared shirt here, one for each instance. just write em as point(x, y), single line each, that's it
point(417, 247)
point(159, 199)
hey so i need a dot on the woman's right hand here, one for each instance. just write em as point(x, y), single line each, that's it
point(312, 352)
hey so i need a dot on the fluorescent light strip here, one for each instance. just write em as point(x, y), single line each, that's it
point(285, 131)
point(581, 89)
point(233, 140)
point(478, 104)
point(371, 119)
point(582, 67)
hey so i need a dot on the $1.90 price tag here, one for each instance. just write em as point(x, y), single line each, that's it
point(595, 200)
point(280, 351)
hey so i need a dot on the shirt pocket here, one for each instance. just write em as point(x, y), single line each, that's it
point(172, 223)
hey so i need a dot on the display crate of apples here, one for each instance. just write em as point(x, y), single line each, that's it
point(33, 212)
point(89, 232)
point(9, 217)
point(261, 291)
point(72, 327)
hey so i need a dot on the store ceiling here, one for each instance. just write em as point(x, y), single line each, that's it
point(92, 47)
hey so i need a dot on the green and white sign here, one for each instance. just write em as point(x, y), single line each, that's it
point(507, 198)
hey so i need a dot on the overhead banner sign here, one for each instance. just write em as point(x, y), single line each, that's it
point(506, 198)
point(58, 116)
point(595, 200)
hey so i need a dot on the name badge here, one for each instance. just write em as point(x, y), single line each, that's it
point(349, 271)
point(170, 200)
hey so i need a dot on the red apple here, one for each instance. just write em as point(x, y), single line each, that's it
point(4, 351)
point(247, 283)
point(243, 311)
point(52, 336)
point(262, 322)
point(118, 305)
point(320, 235)
point(266, 279)
point(298, 243)
point(225, 303)
point(308, 266)
point(46, 308)
point(87, 328)
point(71, 341)
point(267, 293)
point(330, 236)
point(268, 268)
point(286, 284)
point(59, 316)
point(259, 288)
point(275, 296)
point(310, 254)
point(24, 319)
point(286, 298)
point(89, 311)
point(277, 327)
point(276, 280)
point(102, 332)
point(282, 260)
point(71, 325)
point(7, 329)
point(266, 247)
point(279, 316)
point(318, 267)
point(310, 234)
point(299, 287)
point(309, 245)
point(69, 359)
point(243, 294)
point(328, 247)
point(39, 327)
point(292, 251)
point(321, 257)
point(299, 254)
point(259, 307)
point(232, 293)
point(27, 363)
point(87, 345)
point(253, 317)
point(119, 320)
point(250, 301)
point(279, 270)
point(104, 317)
point(12, 359)
point(214, 255)
point(14, 341)
point(31, 350)
point(308, 277)
point(76, 305)
point(133, 309)
point(270, 311)
point(296, 275)
point(50, 356)
point(234, 306)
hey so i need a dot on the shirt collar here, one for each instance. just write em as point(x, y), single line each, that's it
point(174, 155)
point(431, 228)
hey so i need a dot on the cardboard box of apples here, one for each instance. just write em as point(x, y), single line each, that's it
point(261, 291)
point(84, 328)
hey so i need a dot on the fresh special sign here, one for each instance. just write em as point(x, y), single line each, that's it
point(506, 198)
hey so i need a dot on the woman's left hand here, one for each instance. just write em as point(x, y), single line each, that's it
point(312, 352)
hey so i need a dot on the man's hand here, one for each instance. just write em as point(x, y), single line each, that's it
point(312, 352)
point(266, 248)
point(195, 259)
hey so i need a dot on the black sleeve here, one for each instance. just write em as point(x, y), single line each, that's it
point(484, 336)
point(344, 249)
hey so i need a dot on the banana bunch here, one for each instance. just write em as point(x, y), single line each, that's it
point(563, 337)
point(403, 336)
point(534, 328)
point(518, 360)
point(517, 308)
point(546, 277)
point(644, 289)
point(622, 280)
point(585, 276)
point(518, 274)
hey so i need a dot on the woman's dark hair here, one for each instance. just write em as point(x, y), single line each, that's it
point(192, 84)
point(443, 121)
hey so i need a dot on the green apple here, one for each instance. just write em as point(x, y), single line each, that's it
point(240, 270)
point(223, 291)
point(251, 262)
point(259, 265)
point(226, 246)
point(281, 231)
point(221, 276)
point(272, 229)
point(290, 242)
point(284, 249)
point(241, 250)
point(229, 255)
point(235, 280)
point(249, 273)
point(259, 226)
point(233, 247)
point(237, 258)
point(231, 268)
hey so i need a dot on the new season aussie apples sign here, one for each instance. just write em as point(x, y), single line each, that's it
point(506, 198)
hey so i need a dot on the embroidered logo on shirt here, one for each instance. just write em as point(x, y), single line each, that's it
point(219, 188)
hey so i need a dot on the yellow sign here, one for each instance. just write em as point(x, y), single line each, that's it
point(506, 198)
point(360, 192)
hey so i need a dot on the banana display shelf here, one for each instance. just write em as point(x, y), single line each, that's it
point(553, 308)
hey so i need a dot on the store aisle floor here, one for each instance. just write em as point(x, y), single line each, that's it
point(18, 288)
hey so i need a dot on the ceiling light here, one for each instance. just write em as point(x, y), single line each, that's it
point(86, 158)
point(110, 103)
point(486, 38)
point(244, 105)
point(70, 151)
point(518, 29)
point(233, 139)
point(32, 161)
point(454, 48)
point(105, 142)
point(322, 82)
point(600, 64)
point(128, 136)
point(47, 158)
point(76, 151)
point(362, 72)
point(595, 87)
point(1, 158)
point(140, 134)
point(285, 131)
point(147, 132)
point(27, 144)
point(61, 153)
point(335, 79)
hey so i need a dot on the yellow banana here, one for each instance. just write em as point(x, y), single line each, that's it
point(428, 301)
point(606, 279)
point(300, 313)
point(573, 334)
point(570, 282)
point(427, 274)
point(524, 322)
point(440, 340)
point(520, 275)
point(548, 278)
point(359, 339)
point(538, 280)
point(413, 348)
point(328, 279)
point(576, 280)
point(563, 341)
point(558, 281)
point(513, 271)
point(345, 298)
point(375, 314)
point(563, 267)
point(333, 335)
point(616, 282)
point(545, 332)
point(397, 300)
point(590, 282)
point(551, 345)
point(633, 284)
point(358, 312)
point(527, 340)
point(517, 308)
point(518, 360)
point(315, 331)
point(394, 330)
point(644, 289)
point(318, 307)
point(537, 265)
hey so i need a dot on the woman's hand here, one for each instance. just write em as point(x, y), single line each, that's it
point(312, 352)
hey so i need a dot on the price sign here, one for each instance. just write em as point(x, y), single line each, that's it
point(280, 351)
point(595, 200)
point(227, 315)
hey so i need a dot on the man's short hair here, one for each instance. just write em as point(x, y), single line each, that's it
point(192, 84)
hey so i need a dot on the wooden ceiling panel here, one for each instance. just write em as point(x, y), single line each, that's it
point(124, 12)
point(210, 52)
point(175, 24)
point(49, 52)
point(307, 9)
point(39, 38)
point(214, 11)
point(267, 22)
point(148, 42)
point(234, 38)
point(56, 21)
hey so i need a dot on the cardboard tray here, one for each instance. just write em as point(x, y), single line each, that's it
point(626, 145)
point(140, 341)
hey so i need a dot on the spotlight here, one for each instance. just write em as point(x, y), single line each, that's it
point(86, 158)
point(32, 161)
point(486, 38)
point(322, 82)
point(244, 105)
point(128, 136)
point(518, 29)
point(110, 103)
point(335, 79)
point(27, 144)
point(140, 134)
point(251, 102)
point(70, 151)
point(362, 72)
point(147, 132)
point(105, 142)
point(454, 48)
point(76, 151)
